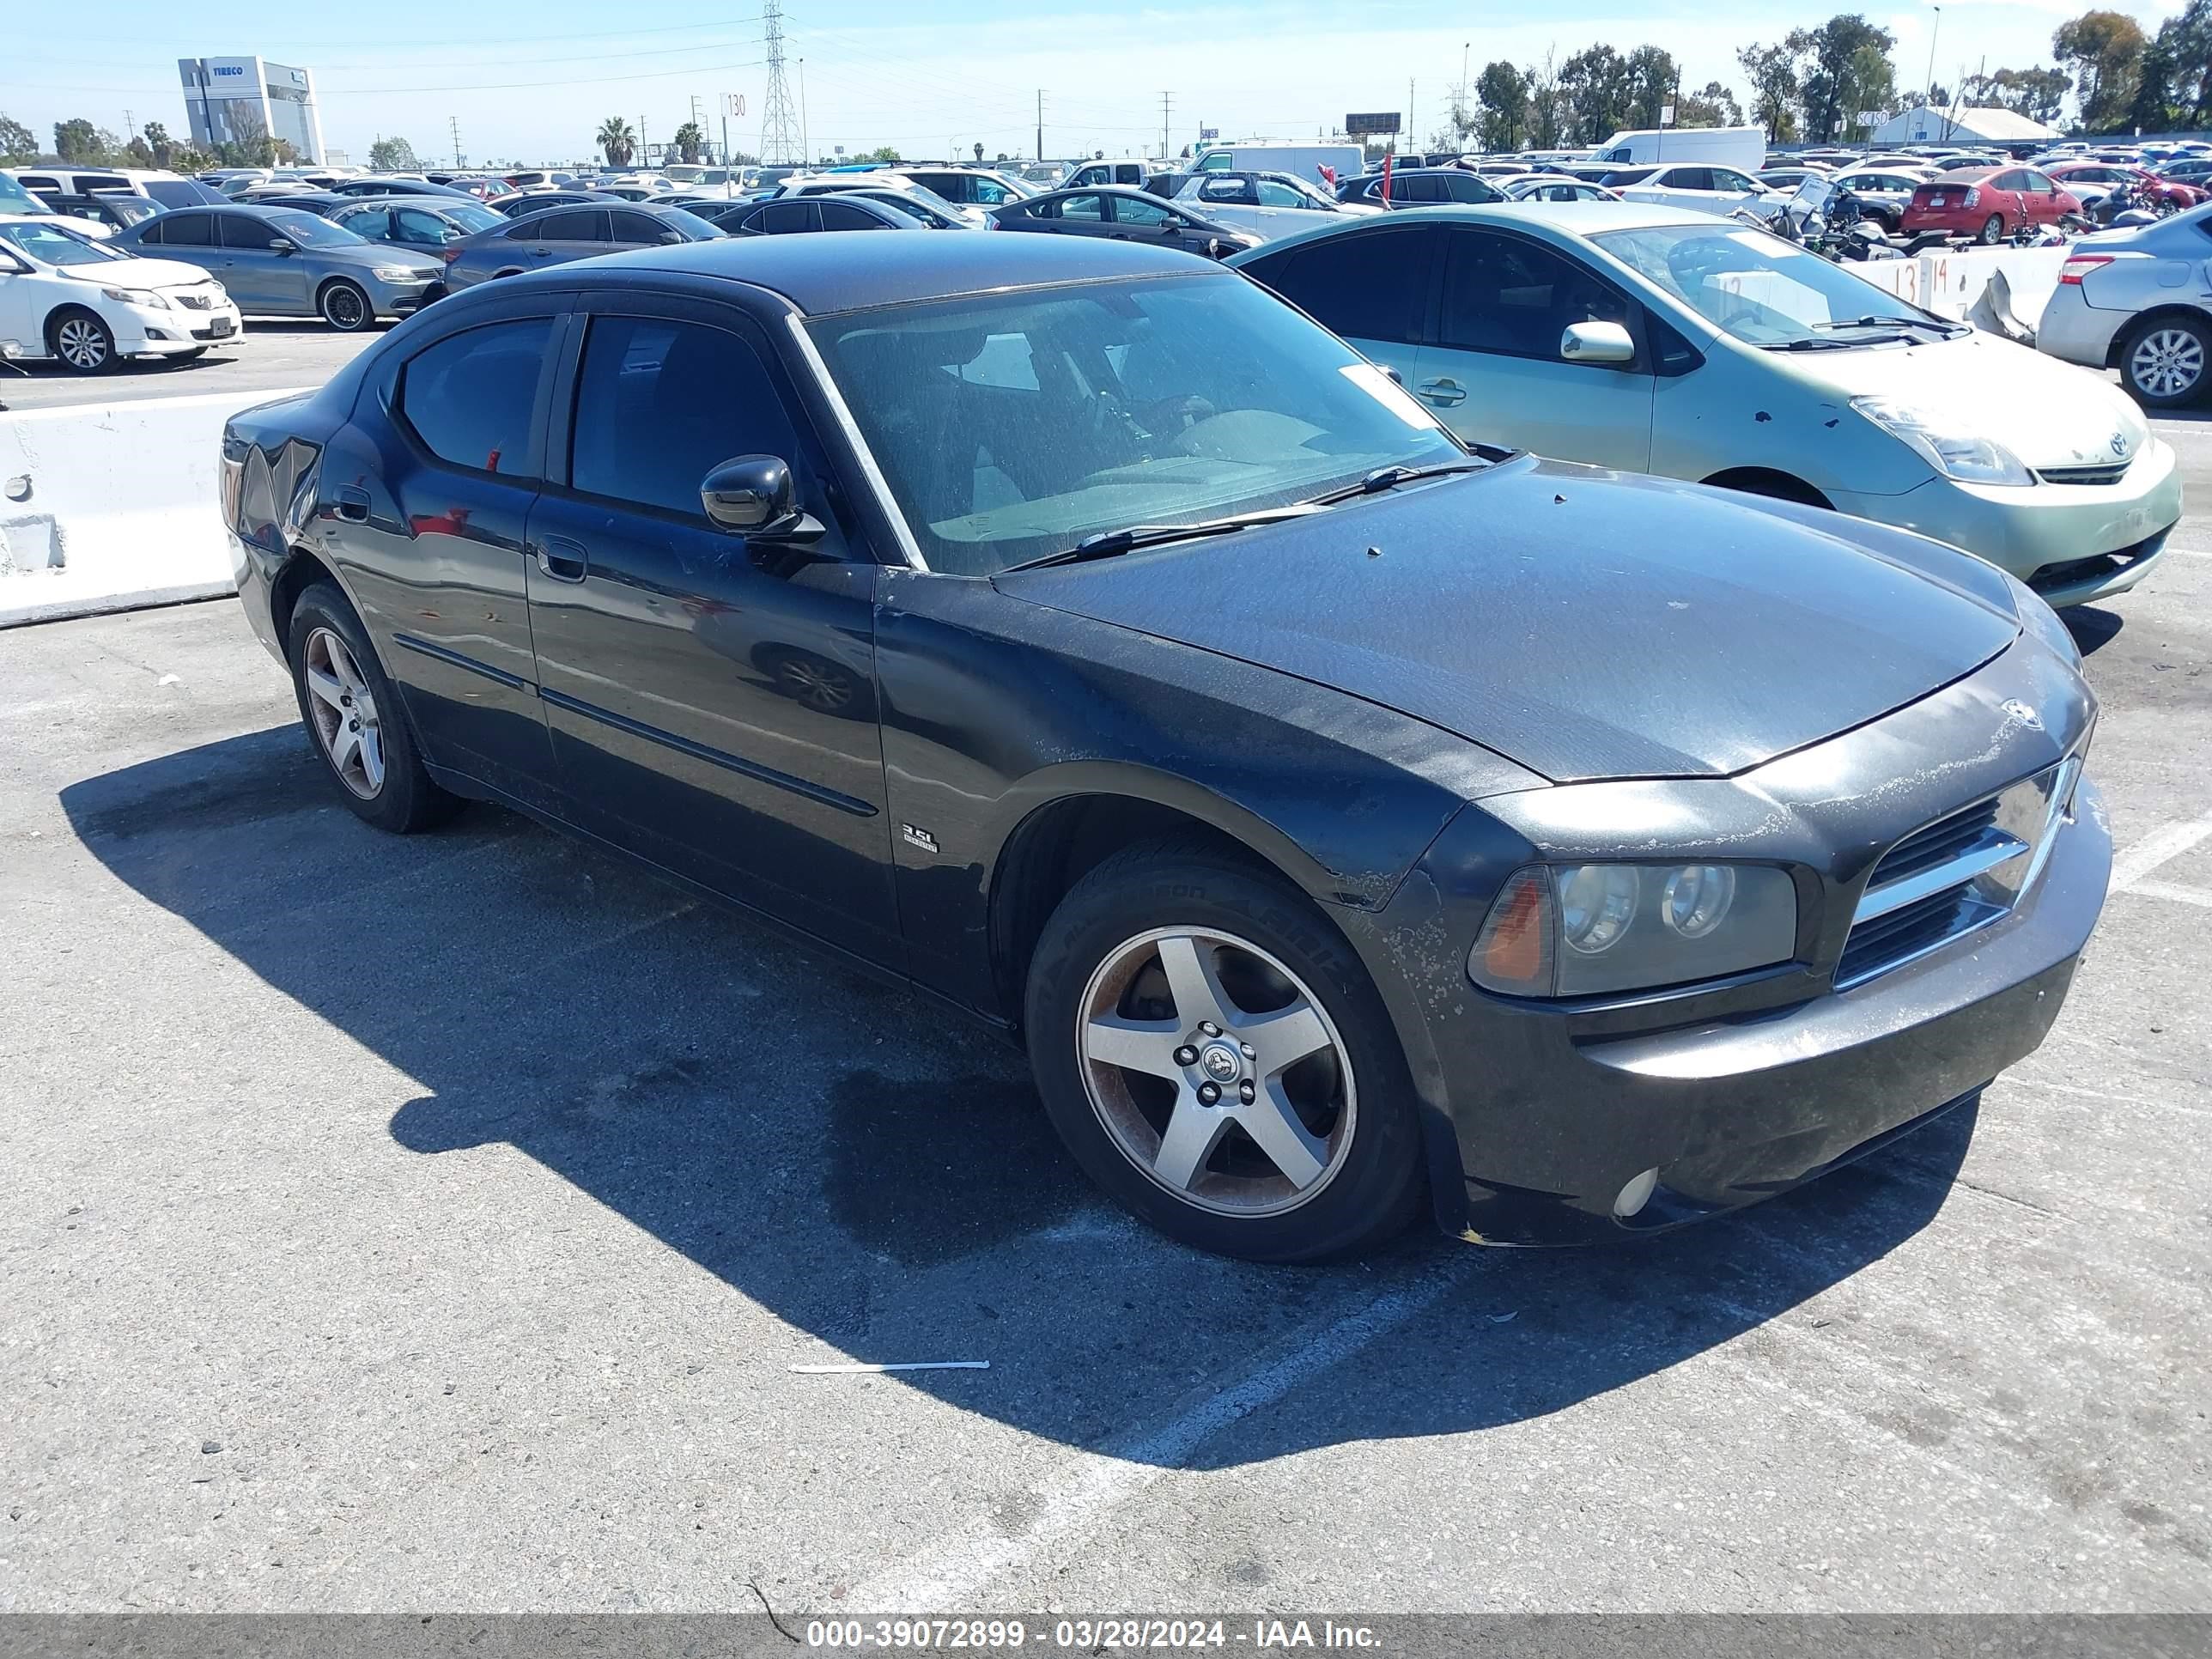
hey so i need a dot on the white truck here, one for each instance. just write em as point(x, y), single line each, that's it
point(1741, 148)
point(1274, 155)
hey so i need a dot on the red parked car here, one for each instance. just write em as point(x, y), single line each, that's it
point(2097, 177)
point(1987, 204)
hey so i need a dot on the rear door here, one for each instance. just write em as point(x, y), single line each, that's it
point(711, 698)
point(189, 235)
point(426, 496)
point(1084, 215)
point(1491, 368)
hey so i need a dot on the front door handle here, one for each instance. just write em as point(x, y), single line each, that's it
point(562, 560)
point(352, 503)
point(1444, 394)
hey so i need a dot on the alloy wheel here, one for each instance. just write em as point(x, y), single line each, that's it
point(1216, 1070)
point(2167, 362)
point(342, 307)
point(83, 342)
point(345, 710)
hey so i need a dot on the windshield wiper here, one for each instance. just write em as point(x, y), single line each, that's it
point(1389, 478)
point(1949, 330)
point(1811, 343)
point(1109, 544)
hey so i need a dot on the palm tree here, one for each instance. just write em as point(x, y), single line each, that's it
point(618, 139)
point(689, 140)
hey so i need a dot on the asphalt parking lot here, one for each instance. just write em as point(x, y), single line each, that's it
point(272, 355)
point(433, 1222)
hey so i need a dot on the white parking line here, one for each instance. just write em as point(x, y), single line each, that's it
point(2160, 847)
point(2174, 890)
point(953, 1573)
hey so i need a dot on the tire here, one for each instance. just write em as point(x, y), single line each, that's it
point(345, 307)
point(355, 720)
point(1345, 1170)
point(79, 342)
point(2163, 362)
point(1992, 230)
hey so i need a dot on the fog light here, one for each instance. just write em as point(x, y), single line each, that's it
point(1636, 1194)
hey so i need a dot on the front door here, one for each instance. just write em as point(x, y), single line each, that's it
point(1492, 370)
point(712, 699)
point(257, 275)
point(1147, 219)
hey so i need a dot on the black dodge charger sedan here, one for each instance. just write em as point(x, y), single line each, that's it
point(1346, 821)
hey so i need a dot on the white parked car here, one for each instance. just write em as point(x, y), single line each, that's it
point(1267, 204)
point(66, 297)
point(1650, 340)
point(1701, 186)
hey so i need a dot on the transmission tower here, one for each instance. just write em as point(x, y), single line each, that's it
point(779, 117)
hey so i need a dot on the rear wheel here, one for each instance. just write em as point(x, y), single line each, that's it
point(1215, 1056)
point(353, 715)
point(2163, 362)
point(1992, 230)
point(80, 342)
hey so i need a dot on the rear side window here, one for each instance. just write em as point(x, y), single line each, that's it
point(469, 399)
point(661, 403)
point(1370, 286)
point(188, 230)
point(784, 217)
point(573, 225)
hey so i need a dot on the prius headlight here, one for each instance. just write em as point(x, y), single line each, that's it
point(1946, 443)
point(136, 297)
point(1592, 929)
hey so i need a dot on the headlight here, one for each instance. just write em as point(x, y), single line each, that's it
point(1595, 928)
point(1944, 445)
point(400, 274)
point(136, 297)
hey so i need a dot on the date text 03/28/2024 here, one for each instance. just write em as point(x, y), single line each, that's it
point(1090, 1635)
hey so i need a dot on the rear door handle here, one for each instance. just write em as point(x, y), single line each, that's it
point(562, 560)
point(1445, 394)
point(352, 503)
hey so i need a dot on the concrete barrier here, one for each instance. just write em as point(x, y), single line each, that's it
point(108, 506)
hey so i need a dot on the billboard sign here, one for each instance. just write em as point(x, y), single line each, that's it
point(1359, 125)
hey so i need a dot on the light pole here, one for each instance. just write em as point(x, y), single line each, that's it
point(1934, 29)
point(1465, 103)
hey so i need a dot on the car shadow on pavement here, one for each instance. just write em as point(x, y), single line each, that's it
point(2093, 629)
point(873, 1172)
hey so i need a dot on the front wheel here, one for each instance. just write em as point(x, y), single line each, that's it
point(1216, 1057)
point(2163, 362)
point(82, 344)
point(1992, 230)
point(345, 307)
point(354, 717)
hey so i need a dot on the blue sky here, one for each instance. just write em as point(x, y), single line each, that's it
point(531, 81)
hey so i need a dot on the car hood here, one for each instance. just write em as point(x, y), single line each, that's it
point(2047, 412)
point(1583, 624)
point(141, 273)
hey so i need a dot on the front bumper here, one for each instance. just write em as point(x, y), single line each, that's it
point(402, 299)
point(2071, 543)
point(147, 332)
point(1541, 1115)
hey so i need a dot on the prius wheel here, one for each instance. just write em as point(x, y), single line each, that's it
point(81, 343)
point(1216, 1057)
point(345, 307)
point(354, 718)
point(2163, 362)
point(1992, 230)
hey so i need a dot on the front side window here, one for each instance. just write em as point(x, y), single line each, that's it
point(1516, 299)
point(471, 397)
point(661, 403)
point(843, 215)
point(1127, 210)
point(1161, 400)
point(1092, 210)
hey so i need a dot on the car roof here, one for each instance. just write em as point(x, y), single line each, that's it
point(818, 275)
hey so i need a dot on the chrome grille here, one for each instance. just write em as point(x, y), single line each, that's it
point(1946, 879)
point(196, 299)
point(2109, 472)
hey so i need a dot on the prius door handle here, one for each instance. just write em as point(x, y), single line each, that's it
point(352, 503)
point(562, 560)
point(1445, 394)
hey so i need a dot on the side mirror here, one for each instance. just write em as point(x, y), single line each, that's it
point(282, 244)
point(754, 495)
point(1597, 343)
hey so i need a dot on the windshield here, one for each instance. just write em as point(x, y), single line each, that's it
point(1011, 426)
point(1763, 291)
point(310, 230)
point(469, 217)
point(14, 198)
point(54, 245)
